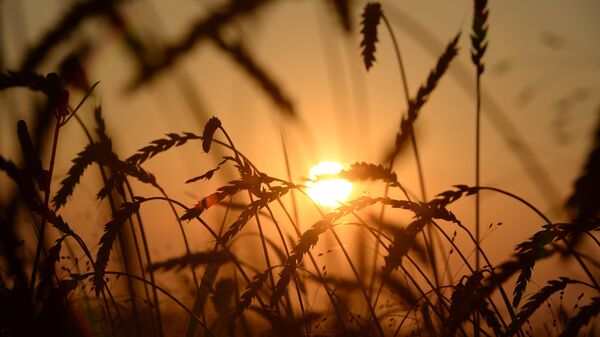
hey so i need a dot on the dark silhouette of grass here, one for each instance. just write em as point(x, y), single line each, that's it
point(272, 292)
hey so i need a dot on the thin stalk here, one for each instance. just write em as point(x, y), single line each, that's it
point(264, 246)
point(183, 235)
point(330, 293)
point(104, 290)
point(287, 253)
point(477, 178)
point(41, 237)
point(288, 171)
point(477, 169)
point(359, 280)
point(149, 260)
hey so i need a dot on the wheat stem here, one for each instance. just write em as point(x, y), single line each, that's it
point(47, 182)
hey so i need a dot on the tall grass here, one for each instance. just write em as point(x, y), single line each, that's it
point(261, 271)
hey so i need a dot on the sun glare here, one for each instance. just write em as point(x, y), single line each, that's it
point(329, 192)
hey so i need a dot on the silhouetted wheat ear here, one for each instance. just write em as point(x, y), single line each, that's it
point(367, 171)
point(447, 197)
point(401, 244)
point(371, 17)
point(404, 239)
point(479, 34)
point(528, 252)
point(111, 230)
point(92, 153)
point(491, 318)
point(416, 103)
point(208, 175)
point(194, 259)
point(535, 301)
point(308, 240)
point(251, 292)
point(209, 131)
point(582, 318)
point(265, 197)
point(120, 170)
point(160, 145)
point(528, 262)
point(58, 222)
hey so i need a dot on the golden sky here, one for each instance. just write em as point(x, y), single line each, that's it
point(543, 62)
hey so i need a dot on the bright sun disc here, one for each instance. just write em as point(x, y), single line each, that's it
point(329, 192)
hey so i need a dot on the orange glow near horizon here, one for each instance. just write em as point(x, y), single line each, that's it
point(328, 192)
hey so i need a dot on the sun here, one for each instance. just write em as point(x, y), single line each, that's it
point(328, 191)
